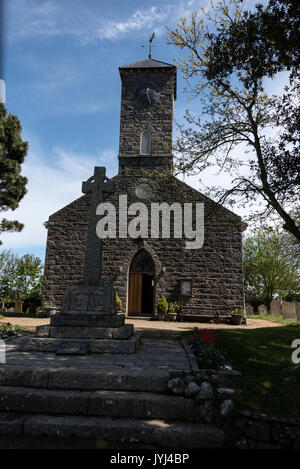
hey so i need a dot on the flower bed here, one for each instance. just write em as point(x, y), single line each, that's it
point(8, 330)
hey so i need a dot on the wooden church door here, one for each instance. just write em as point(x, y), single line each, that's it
point(141, 284)
point(135, 293)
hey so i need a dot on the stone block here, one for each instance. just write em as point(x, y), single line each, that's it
point(144, 405)
point(289, 310)
point(73, 332)
point(262, 310)
point(42, 331)
point(115, 346)
point(50, 345)
point(298, 310)
point(18, 306)
point(88, 320)
point(13, 375)
point(89, 299)
point(156, 432)
point(249, 310)
point(11, 424)
point(33, 400)
point(107, 379)
point(275, 308)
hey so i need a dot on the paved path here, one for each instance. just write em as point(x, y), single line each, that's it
point(153, 329)
point(166, 355)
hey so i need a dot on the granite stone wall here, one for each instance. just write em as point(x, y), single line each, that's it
point(136, 116)
point(252, 430)
point(215, 269)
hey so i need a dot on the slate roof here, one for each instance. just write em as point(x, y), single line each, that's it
point(148, 63)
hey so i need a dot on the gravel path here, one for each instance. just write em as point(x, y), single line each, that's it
point(153, 329)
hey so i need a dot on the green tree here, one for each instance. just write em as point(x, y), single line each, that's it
point(271, 265)
point(228, 55)
point(20, 277)
point(12, 153)
point(8, 263)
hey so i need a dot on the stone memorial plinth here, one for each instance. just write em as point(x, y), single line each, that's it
point(88, 322)
point(289, 310)
point(275, 308)
point(249, 310)
point(262, 310)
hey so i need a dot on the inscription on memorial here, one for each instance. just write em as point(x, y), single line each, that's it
point(68, 347)
point(89, 299)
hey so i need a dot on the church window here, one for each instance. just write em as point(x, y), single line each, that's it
point(145, 148)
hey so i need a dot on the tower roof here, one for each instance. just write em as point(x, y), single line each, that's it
point(151, 64)
point(148, 63)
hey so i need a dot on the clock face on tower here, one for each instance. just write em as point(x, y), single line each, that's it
point(148, 93)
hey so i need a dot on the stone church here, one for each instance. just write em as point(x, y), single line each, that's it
point(208, 281)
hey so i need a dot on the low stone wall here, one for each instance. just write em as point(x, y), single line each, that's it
point(252, 430)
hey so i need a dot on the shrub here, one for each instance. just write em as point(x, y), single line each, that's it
point(8, 330)
point(118, 303)
point(162, 305)
point(174, 307)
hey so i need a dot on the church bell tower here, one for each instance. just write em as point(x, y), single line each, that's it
point(147, 108)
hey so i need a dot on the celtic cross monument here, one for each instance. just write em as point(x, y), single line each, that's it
point(88, 322)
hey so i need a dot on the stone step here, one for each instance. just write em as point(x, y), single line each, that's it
point(84, 319)
point(85, 332)
point(50, 345)
point(138, 405)
point(115, 379)
point(155, 432)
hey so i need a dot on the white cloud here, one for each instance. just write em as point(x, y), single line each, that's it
point(139, 20)
point(86, 23)
point(49, 189)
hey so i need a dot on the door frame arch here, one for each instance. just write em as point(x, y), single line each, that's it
point(153, 274)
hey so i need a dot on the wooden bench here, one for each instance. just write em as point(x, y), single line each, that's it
point(193, 314)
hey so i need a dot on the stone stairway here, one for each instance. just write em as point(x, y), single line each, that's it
point(126, 403)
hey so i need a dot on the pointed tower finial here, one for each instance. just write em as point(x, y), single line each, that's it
point(150, 41)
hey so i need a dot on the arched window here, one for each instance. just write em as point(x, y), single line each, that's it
point(145, 147)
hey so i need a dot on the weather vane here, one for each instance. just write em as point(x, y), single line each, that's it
point(150, 44)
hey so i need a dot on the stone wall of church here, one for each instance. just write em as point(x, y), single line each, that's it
point(67, 232)
point(215, 269)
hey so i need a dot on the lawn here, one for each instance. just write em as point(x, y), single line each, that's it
point(17, 315)
point(270, 381)
point(278, 319)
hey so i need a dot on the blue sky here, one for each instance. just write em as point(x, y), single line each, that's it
point(60, 66)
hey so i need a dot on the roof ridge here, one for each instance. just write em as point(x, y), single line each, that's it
point(150, 62)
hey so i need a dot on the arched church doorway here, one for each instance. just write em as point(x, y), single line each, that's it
point(141, 284)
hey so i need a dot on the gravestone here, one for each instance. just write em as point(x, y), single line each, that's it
point(298, 310)
point(262, 310)
point(275, 308)
point(88, 322)
point(289, 310)
point(249, 310)
point(18, 306)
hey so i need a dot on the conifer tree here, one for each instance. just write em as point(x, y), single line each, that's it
point(12, 154)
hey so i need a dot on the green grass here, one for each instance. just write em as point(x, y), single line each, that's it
point(270, 382)
point(278, 319)
point(17, 315)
